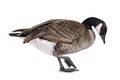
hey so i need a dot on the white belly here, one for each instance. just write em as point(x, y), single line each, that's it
point(43, 45)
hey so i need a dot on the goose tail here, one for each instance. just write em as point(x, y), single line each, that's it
point(19, 33)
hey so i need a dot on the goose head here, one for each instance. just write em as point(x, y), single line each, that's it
point(98, 24)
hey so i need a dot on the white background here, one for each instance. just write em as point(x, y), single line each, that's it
point(24, 62)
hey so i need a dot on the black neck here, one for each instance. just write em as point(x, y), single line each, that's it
point(92, 21)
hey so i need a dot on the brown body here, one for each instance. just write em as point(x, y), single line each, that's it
point(70, 36)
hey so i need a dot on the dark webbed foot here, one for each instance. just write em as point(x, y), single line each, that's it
point(68, 69)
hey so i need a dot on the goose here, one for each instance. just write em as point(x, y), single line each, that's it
point(59, 37)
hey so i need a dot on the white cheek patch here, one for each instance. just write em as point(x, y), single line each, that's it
point(98, 27)
point(43, 45)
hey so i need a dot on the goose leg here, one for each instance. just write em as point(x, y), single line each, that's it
point(61, 65)
point(62, 48)
point(68, 62)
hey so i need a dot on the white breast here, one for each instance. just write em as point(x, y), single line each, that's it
point(43, 45)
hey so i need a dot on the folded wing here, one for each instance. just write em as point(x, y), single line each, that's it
point(59, 30)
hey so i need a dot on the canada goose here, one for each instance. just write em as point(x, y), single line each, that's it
point(60, 36)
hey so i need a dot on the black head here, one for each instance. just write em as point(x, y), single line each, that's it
point(99, 25)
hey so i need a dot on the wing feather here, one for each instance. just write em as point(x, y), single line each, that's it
point(59, 30)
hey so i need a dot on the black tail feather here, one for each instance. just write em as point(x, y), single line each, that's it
point(19, 30)
point(19, 33)
point(14, 34)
